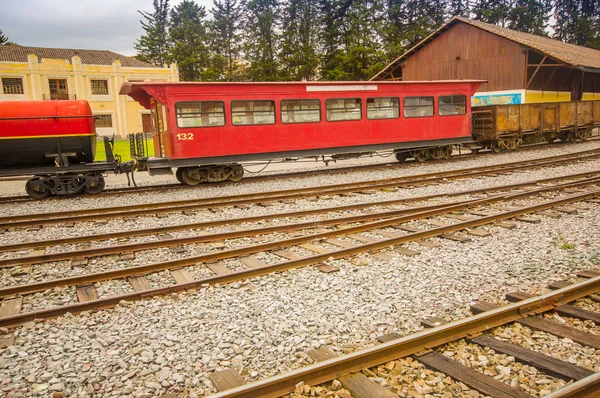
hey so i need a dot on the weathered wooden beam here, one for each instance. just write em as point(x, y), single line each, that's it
point(535, 72)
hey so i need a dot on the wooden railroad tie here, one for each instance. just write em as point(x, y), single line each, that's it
point(472, 378)
point(226, 379)
point(359, 385)
point(9, 307)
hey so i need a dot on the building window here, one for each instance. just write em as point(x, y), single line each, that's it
point(103, 121)
point(99, 87)
point(452, 105)
point(418, 106)
point(12, 85)
point(200, 114)
point(301, 111)
point(343, 109)
point(383, 108)
point(245, 113)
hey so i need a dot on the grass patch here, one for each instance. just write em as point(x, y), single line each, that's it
point(563, 244)
point(121, 147)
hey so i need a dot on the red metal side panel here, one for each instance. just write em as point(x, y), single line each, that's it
point(235, 140)
point(29, 119)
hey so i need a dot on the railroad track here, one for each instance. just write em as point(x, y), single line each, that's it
point(382, 235)
point(297, 174)
point(38, 249)
point(435, 348)
point(28, 220)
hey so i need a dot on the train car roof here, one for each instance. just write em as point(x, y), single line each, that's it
point(139, 91)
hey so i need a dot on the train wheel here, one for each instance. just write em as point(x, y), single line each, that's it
point(586, 134)
point(95, 184)
point(179, 175)
point(188, 179)
point(438, 153)
point(35, 190)
point(448, 152)
point(402, 156)
point(495, 147)
point(422, 156)
point(573, 136)
point(237, 172)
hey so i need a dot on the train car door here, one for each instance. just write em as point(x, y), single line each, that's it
point(157, 111)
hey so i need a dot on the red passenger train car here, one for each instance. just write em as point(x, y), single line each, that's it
point(208, 130)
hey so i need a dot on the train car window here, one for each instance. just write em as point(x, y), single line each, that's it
point(343, 109)
point(300, 111)
point(452, 105)
point(200, 114)
point(383, 108)
point(244, 113)
point(418, 106)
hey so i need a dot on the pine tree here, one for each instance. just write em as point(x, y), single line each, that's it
point(530, 16)
point(300, 40)
point(334, 18)
point(3, 39)
point(187, 34)
point(496, 12)
point(409, 22)
point(578, 22)
point(363, 56)
point(461, 8)
point(262, 39)
point(152, 46)
point(226, 44)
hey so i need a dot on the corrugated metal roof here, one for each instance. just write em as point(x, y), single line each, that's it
point(88, 57)
point(571, 54)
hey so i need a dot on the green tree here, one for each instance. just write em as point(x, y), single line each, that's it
point(187, 33)
point(578, 22)
point(261, 40)
point(496, 12)
point(334, 18)
point(460, 8)
point(410, 21)
point(152, 46)
point(363, 55)
point(226, 43)
point(3, 39)
point(530, 16)
point(300, 40)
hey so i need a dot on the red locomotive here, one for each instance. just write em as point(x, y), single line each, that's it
point(56, 142)
point(54, 132)
point(206, 130)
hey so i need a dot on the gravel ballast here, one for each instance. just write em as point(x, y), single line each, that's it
point(265, 326)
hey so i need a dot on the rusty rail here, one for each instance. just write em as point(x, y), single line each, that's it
point(267, 269)
point(327, 370)
point(194, 204)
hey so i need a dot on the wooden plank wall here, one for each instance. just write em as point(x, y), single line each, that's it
point(482, 56)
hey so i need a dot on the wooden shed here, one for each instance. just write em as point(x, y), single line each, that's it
point(519, 67)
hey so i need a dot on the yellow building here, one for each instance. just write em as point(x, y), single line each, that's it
point(32, 73)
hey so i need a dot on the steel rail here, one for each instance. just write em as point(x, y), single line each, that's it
point(587, 387)
point(295, 174)
point(330, 369)
point(207, 224)
point(211, 257)
point(194, 204)
point(116, 249)
point(264, 270)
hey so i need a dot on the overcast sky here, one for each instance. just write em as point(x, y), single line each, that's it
point(83, 24)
